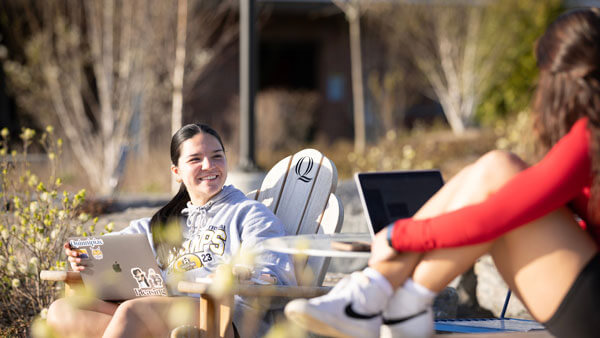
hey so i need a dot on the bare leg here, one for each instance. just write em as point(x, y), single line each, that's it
point(141, 317)
point(152, 316)
point(530, 258)
point(471, 185)
point(70, 321)
point(523, 256)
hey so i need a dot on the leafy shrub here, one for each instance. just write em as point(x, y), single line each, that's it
point(515, 135)
point(515, 75)
point(35, 220)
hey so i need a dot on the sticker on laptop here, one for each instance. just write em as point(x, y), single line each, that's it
point(78, 243)
point(83, 253)
point(97, 253)
point(149, 284)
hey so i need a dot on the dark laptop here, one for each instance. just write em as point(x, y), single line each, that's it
point(388, 196)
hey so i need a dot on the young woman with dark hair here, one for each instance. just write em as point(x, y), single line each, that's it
point(540, 224)
point(214, 221)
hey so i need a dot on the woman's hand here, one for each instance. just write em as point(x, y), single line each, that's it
point(73, 257)
point(380, 248)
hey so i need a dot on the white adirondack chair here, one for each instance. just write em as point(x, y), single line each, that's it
point(300, 190)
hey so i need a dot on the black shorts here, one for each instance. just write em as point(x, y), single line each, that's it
point(579, 313)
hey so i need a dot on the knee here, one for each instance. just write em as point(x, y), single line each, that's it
point(499, 165)
point(125, 312)
point(59, 315)
point(135, 317)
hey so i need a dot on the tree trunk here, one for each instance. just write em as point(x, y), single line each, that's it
point(177, 108)
point(353, 16)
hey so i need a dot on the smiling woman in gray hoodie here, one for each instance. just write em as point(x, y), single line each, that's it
point(214, 222)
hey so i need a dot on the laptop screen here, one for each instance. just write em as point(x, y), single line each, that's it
point(388, 196)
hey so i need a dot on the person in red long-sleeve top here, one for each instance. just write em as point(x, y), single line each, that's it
point(540, 223)
point(562, 178)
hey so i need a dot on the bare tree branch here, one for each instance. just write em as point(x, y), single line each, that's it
point(447, 44)
point(102, 64)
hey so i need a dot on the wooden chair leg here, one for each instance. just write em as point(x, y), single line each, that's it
point(216, 316)
point(226, 316)
point(207, 316)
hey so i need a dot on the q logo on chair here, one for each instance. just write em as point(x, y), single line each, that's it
point(303, 172)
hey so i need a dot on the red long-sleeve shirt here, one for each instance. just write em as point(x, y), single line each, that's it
point(562, 177)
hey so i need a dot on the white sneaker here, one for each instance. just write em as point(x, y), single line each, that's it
point(336, 314)
point(407, 316)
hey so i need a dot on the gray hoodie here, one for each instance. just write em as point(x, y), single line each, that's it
point(228, 224)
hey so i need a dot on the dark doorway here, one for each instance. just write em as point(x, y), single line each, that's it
point(290, 65)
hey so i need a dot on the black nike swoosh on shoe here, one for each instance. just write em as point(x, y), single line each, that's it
point(350, 313)
point(403, 319)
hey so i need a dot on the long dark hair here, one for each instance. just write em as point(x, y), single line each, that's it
point(163, 240)
point(568, 56)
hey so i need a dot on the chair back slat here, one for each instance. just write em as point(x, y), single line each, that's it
point(310, 179)
point(270, 189)
point(299, 190)
point(331, 223)
point(324, 185)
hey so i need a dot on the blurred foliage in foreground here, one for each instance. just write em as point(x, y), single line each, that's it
point(35, 220)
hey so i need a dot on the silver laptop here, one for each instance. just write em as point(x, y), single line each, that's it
point(388, 196)
point(119, 267)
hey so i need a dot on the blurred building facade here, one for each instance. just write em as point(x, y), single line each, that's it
point(303, 47)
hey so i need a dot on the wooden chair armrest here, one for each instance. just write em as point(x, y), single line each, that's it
point(242, 272)
point(251, 290)
point(61, 276)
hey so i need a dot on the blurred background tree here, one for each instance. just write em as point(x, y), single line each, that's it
point(515, 75)
point(475, 56)
point(103, 69)
point(104, 73)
